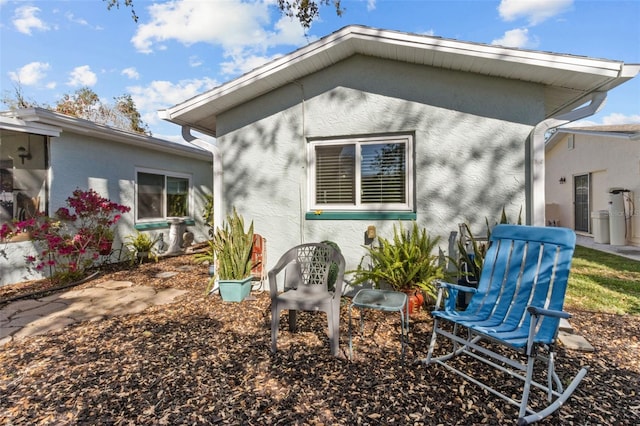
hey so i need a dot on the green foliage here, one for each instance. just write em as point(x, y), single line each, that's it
point(127, 108)
point(408, 262)
point(141, 243)
point(231, 248)
point(207, 213)
point(306, 11)
point(474, 249)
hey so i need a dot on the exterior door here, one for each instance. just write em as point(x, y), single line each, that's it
point(581, 187)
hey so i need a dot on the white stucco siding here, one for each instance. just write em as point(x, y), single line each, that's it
point(80, 161)
point(610, 161)
point(469, 148)
point(110, 168)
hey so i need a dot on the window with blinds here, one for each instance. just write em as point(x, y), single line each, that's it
point(362, 174)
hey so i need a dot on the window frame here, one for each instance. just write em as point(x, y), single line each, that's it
point(165, 174)
point(358, 206)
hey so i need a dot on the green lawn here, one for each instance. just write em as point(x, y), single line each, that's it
point(603, 282)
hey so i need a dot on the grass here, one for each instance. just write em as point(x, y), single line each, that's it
point(603, 282)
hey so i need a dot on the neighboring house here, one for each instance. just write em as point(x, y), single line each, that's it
point(587, 167)
point(45, 156)
point(369, 127)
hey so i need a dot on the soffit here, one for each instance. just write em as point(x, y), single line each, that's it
point(568, 79)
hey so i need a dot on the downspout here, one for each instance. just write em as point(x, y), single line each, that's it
point(217, 172)
point(535, 213)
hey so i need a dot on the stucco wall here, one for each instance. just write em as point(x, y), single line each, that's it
point(470, 143)
point(79, 161)
point(611, 161)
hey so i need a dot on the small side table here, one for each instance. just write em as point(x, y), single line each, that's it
point(382, 300)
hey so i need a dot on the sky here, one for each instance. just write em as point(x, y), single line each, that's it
point(181, 48)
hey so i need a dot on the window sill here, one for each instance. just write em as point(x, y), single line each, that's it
point(325, 215)
point(148, 226)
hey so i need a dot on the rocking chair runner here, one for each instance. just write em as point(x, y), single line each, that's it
point(518, 305)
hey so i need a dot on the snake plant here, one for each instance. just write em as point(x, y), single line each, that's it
point(231, 247)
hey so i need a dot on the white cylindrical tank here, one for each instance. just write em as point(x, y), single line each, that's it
point(617, 219)
point(600, 221)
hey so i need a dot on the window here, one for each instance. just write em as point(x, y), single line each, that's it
point(367, 174)
point(23, 175)
point(161, 196)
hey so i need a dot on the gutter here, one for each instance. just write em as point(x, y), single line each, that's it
point(217, 172)
point(42, 117)
point(535, 213)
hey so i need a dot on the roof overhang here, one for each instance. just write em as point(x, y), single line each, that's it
point(630, 132)
point(568, 79)
point(45, 122)
point(14, 124)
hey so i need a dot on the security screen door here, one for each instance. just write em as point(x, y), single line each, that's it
point(581, 202)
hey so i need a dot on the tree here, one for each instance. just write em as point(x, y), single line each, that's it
point(127, 3)
point(306, 11)
point(126, 107)
point(17, 100)
point(86, 104)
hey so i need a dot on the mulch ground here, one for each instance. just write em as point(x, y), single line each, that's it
point(202, 361)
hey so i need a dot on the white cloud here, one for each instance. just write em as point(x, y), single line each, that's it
point(164, 94)
point(25, 20)
point(229, 23)
point(241, 61)
point(518, 37)
point(131, 73)
point(535, 11)
point(617, 118)
point(82, 76)
point(194, 61)
point(31, 74)
point(80, 21)
point(241, 28)
point(371, 5)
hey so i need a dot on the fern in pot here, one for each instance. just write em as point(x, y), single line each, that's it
point(406, 263)
point(230, 248)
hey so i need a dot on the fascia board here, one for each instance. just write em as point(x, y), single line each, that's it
point(88, 128)
point(380, 41)
point(16, 125)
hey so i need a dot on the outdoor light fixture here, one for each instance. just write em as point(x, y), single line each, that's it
point(563, 180)
point(24, 154)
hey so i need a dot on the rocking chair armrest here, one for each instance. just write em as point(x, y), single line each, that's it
point(548, 312)
point(443, 284)
point(451, 296)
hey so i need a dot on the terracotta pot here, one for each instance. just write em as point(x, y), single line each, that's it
point(416, 300)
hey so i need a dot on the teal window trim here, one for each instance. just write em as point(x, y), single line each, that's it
point(148, 226)
point(361, 216)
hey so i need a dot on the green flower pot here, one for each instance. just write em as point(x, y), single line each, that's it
point(235, 290)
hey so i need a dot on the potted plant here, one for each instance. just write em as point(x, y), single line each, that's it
point(407, 263)
point(141, 246)
point(230, 249)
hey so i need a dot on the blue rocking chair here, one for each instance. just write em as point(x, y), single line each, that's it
point(518, 306)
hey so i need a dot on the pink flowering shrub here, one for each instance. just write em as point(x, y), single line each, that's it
point(71, 240)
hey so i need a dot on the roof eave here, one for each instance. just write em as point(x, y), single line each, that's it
point(81, 126)
point(200, 112)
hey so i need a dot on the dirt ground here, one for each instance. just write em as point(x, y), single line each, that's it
point(203, 361)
